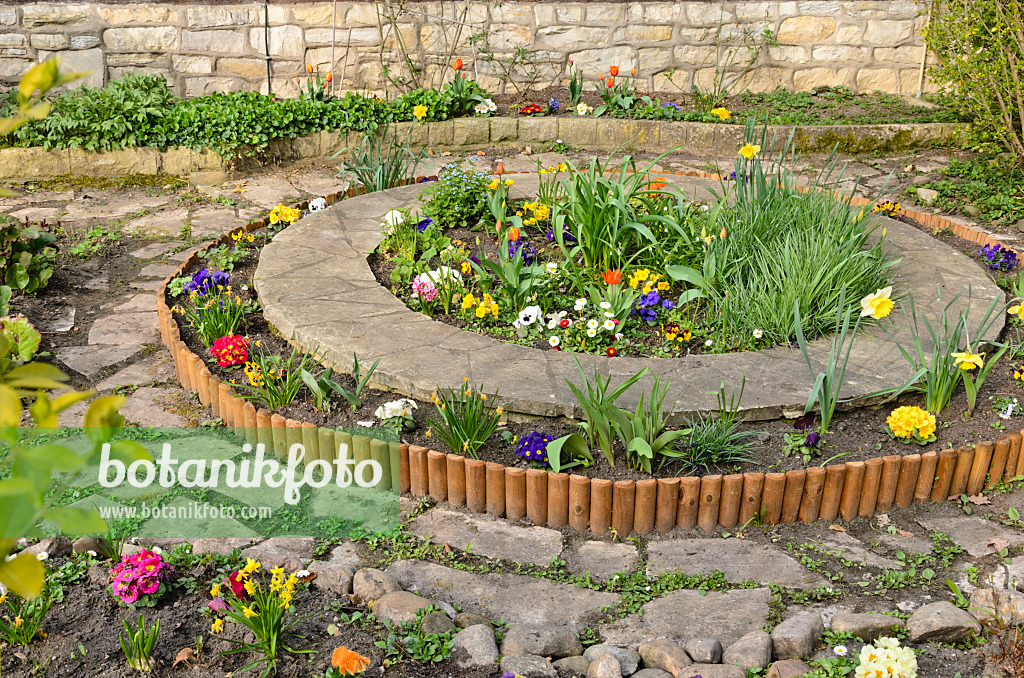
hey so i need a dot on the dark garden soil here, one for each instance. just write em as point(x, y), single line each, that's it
point(823, 106)
point(855, 435)
point(90, 617)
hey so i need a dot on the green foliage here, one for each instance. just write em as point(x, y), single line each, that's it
point(22, 338)
point(26, 256)
point(381, 162)
point(274, 381)
point(413, 249)
point(22, 621)
point(716, 441)
point(980, 45)
point(408, 640)
point(138, 643)
point(218, 313)
point(464, 419)
point(222, 257)
point(458, 198)
point(323, 386)
point(95, 240)
point(642, 431)
point(990, 183)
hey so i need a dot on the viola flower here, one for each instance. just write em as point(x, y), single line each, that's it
point(669, 104)
point(424, 224)
point(998, 258)
point(529, 315)
point(750, 151)
point(348, 662)
point(805, 422)
point(877, 305)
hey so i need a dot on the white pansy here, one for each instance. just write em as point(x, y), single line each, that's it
point(402, 407)
point(529, 315)
point(394, 218)
point(317, 204)
point(443, 273)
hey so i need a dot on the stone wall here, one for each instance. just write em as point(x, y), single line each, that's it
point(201, 48)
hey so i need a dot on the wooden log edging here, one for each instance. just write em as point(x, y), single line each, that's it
point(856, 488)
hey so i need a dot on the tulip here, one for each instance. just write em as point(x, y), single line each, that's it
point(614, 70)
point(500, 169)
point(330, 76)
point(611, 83)
point(309, 68)
point(457, 65)
point(513, 234)
point(632, 72)
point(612, 276)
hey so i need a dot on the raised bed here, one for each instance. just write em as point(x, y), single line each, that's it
point(846, 491)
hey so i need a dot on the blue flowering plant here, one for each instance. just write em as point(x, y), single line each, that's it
point(998, 258)
point(533, 447)
point(213, 309)
point(458, 199)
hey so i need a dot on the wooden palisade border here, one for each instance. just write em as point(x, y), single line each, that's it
point(856, 488)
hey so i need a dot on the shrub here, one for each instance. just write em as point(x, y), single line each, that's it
point(26, 255)
point(458, 199)
point(980, 45)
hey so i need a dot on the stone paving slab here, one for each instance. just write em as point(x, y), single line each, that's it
point(85, 208)
point(971, 532)
point(209, 223)
point(157, 270)
point(152, 406)
point(688, 614)
point(91, 360)
point(489, 537)
point(305, 277)
point(602, 559)
point(854, 550)
point(738, 559)
point(515, 598)
point(125, 328)
point(156, 249)
point(151, 370)
point(159, 224)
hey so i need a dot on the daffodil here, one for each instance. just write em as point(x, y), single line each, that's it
point(1017, 310)
point(968, 360)
point(419, 111)
point(750, 151)
point(248, 612)
point(217, 626)
point(877, 305)
point(215, 591)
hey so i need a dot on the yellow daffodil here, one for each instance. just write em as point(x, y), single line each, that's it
point(750, 151)
point(722, 113)
point(877, 305)
point(968, 360)
point(249, 587)
point(248, 612)
point(1017, 310)
point(217, 626)
point(251, 566)
point(215, 591)
point(419, 111)
point(18, 621)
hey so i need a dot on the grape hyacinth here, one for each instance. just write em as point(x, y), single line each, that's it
point(553, 104)
point(534, 447)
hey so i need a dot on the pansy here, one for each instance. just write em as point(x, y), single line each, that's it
point(529, 315)
point(394, 218)
point(317, 204)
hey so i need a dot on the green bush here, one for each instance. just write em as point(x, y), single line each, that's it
point(980, 45)
point(26, 256)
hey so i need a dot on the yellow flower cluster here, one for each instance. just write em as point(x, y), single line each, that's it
point(554, 169)
point(255, 374)
point(886, 659)
point(499, 181)
point(483, 306)
point(540, 213)
point(647, 281)
point(722, 113)
point(903, 421)
point(674, 333)
point(239, 236)
point(284, 215)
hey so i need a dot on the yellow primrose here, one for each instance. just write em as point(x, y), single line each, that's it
point(968, 360)
point(877, 305)
point(750, 151)
point(722, 113)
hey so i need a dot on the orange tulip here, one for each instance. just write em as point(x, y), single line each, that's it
point(614, 70)
point(722, 234)
point(330, 76)
point(500, 169)
point(611, 83)
point(351, 663)
point(612, 276)
point(513, 234)
point(632, 72)
point(309, 68)
point(457, 65)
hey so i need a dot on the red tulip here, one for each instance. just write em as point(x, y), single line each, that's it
point(330, 76)
point(614, 70)
point(309, 68)
point(632, 72)
point(611, 352)
point(611, 83)
point(513, 234)
point(612, 276)
point(457, 65)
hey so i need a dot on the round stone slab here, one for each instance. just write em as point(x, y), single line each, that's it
point(317, 289)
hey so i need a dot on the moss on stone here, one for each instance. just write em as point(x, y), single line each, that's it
point(158, 180)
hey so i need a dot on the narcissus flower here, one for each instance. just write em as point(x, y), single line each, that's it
point(968, 360)
point(877, 305)
point(419, 111)
point(750, 151)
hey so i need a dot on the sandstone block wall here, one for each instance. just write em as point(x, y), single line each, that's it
point(201, 48)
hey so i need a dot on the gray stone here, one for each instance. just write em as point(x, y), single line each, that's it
point(842, 545)
point(867, 627)
point(437, 623)
point(151, 370)
point(220, 547)
point(573, 666)
point(602, 559)
point(704, 650)
point(628, 660)
point(85, 544)
point(369, 584)
point(63, 321)
point(664, 655)
point(518, 599)
point(685, 614)
point(125, 328)
point(752, 651)
point(797, 636)
point(55, 547)
point(711, 671)
point(152, 406)
point(98, 575)
point(156, 249)
point(158, 224)
point(1005, 605)
point(158, 270)
point(788, 668)
point(400, 606)
point(528, 666)
point(740, 560)
point(545, 641)
point(478, 645)
point(282, 552)
point(490, 537)
point(942, 622)
point(91, 360)
point(208, 223)
point(652, 673)
point(346, 555)
point(971, 532)
point(464, 620)
point(605, 666)
point(927, 195)
point(335, 578)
